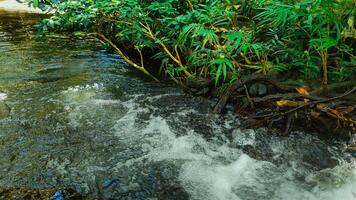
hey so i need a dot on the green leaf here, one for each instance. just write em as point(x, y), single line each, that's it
point(35, 3)
point(224, 71)
point(217, 76)
point(310, 20)
point(235, 38)
point(324, 43)
point(182, 38)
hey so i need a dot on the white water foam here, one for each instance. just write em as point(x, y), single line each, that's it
point(3, 96)
point(212, 169)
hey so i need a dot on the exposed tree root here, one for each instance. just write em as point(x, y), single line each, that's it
point(285, 106)
point(240, 84)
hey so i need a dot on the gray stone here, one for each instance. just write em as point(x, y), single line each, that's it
point(258, 89)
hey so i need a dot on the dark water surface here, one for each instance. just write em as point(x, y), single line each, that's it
point(73, 116)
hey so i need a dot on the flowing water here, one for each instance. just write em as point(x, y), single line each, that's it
point(73, 116)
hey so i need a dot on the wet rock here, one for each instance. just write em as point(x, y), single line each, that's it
point(352, 145)
point(203, 91)
point(261, 144)
point(319, 157)
point(258, 89)
point(45, 79)
point(353, 139)
point(198, 86)
point(198, 83)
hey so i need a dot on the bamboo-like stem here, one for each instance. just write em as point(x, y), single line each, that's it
point(126, 58)
point(141, 57)
point(177, 53)
point(190, 5)
point(246, 59)
point(150, 34)
point(324, 59)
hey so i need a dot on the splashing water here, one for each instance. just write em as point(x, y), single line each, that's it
point(2, 96)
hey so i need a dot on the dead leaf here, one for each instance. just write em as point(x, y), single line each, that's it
point(338, 114)
point(303, 91)
point(322, 106)
point(288, 103)
point(237, 7)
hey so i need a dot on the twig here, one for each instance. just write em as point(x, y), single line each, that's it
point(320, 101)
point(151, 35)
point(271, 116)
point(141, 57)
point(190, 5)
point(249, 98)
point(286, 96)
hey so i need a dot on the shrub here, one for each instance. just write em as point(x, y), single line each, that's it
point(223, 40)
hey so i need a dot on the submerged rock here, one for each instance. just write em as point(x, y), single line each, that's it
point(47, 79)
point(49, 69)
point(40, 194)
point(4, 110)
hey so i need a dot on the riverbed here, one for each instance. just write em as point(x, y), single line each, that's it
point(77, 117)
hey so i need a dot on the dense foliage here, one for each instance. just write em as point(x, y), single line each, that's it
point(223, 40)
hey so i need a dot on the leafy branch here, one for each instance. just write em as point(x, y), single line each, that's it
point(141, 67)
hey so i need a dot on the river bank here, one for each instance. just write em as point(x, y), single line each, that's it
point(275, 73)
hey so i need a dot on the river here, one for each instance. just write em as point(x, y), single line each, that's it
point(72, 115)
